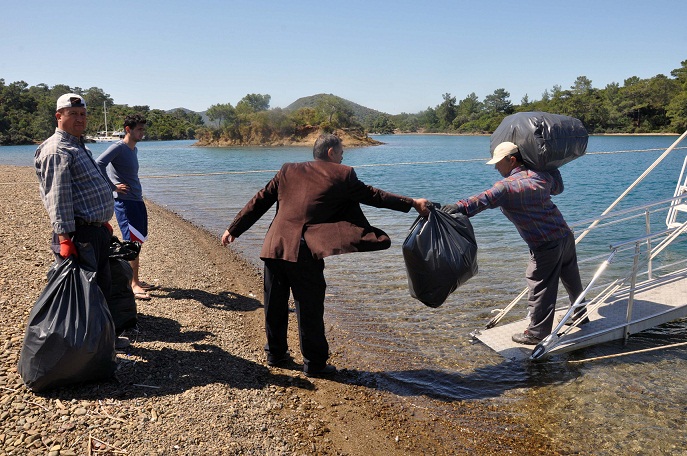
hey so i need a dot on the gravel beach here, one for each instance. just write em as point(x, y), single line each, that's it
point(195, 381)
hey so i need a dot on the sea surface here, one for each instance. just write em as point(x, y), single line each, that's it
point(635, 404)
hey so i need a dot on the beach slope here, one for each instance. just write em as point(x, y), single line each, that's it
point(194, 381)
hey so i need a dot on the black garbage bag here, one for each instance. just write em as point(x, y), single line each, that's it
point(70, 334)
point(125, 250)
point(440, 255)
point(546, 141)
point(122, 302)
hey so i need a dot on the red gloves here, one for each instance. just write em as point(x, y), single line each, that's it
point(108, 226)
point(67, 248)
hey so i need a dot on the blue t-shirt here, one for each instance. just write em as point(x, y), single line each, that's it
point(120, 165)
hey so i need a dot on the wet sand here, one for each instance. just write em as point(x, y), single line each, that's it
point(195, 381)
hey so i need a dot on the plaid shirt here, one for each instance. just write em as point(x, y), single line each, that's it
point(525, 199)
point(71, 184)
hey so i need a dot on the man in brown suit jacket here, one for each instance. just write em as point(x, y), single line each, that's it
point(318, 214)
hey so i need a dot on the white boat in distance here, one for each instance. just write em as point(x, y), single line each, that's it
point(104, 136)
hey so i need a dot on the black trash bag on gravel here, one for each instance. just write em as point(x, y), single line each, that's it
point(70, 334)
point(125, 250)
point(122, 302)
point(440, 255)
point(546, 141)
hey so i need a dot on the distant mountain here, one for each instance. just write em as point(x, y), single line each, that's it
point(207, 122)
point(363, 114)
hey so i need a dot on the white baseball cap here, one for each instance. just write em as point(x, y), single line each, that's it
point(70, 100)
point(502, 151)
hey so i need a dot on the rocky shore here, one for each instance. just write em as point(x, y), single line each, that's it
point(306, 136)
point(195, 381)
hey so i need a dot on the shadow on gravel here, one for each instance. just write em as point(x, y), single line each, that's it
point(169, 371)
point(225, 300)
point(162, 329)
point(144, 371)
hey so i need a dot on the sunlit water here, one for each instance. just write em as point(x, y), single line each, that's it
point(630, 405)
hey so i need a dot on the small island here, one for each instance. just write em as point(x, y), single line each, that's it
point(252, 123)
point(303, 136)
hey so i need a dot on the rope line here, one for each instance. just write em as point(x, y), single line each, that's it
point(372, 165)
point(617, 355)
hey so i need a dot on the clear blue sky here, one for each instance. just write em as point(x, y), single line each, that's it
point(393, 56)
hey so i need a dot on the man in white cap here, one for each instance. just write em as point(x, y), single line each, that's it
point(76, 195)
point(524, 197)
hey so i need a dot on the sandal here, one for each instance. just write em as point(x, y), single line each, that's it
point(142, 296)
point(147, 286)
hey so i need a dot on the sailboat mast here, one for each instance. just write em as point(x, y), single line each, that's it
point(105, 113)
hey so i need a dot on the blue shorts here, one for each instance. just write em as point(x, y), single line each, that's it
point(132, 217)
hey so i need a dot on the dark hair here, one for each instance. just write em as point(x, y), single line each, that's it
point(518, 157)
point(322, 145)
point(134, 119)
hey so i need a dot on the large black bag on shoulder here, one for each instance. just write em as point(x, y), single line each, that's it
point(70, 334)
point(546, 141)
point(440, 255)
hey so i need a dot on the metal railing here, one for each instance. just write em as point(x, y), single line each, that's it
point(635, 257)
point(640, 253)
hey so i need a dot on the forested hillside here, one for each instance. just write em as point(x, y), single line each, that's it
point(27, 114)
point(653, 105)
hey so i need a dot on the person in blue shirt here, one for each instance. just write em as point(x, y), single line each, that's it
point(120, 164)
point(524, 196)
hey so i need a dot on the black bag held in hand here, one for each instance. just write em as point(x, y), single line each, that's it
point(546, 141)
point(440, 254)
point(70, 334)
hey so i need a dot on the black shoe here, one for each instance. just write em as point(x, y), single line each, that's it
point(122, 343)
point(526, 338)
point(324, 372)
point(275, 361)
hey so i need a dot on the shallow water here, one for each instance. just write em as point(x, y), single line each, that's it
point(635, 404)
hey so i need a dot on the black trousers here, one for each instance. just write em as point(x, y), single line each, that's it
point(99, 238)
point(550, 262)
point(305, 280)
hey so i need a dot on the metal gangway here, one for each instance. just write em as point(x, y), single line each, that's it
point(640, 282)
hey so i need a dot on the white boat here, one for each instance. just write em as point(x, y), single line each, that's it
point(105, 136)
point(640, 283)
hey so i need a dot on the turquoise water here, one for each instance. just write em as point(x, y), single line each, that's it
point(376, 325)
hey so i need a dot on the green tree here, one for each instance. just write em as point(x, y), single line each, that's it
point(253, 102)
point(498, 102)
point(382, 125)
point(446, 111)
point(677, 112)
point(334, 111)
point(428, 120)
point(582, 85)
point(468, 109)
point(224, 114)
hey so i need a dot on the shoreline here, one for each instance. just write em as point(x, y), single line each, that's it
point(195, 379)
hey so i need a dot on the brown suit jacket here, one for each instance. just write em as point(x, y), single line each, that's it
point(319, 202)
